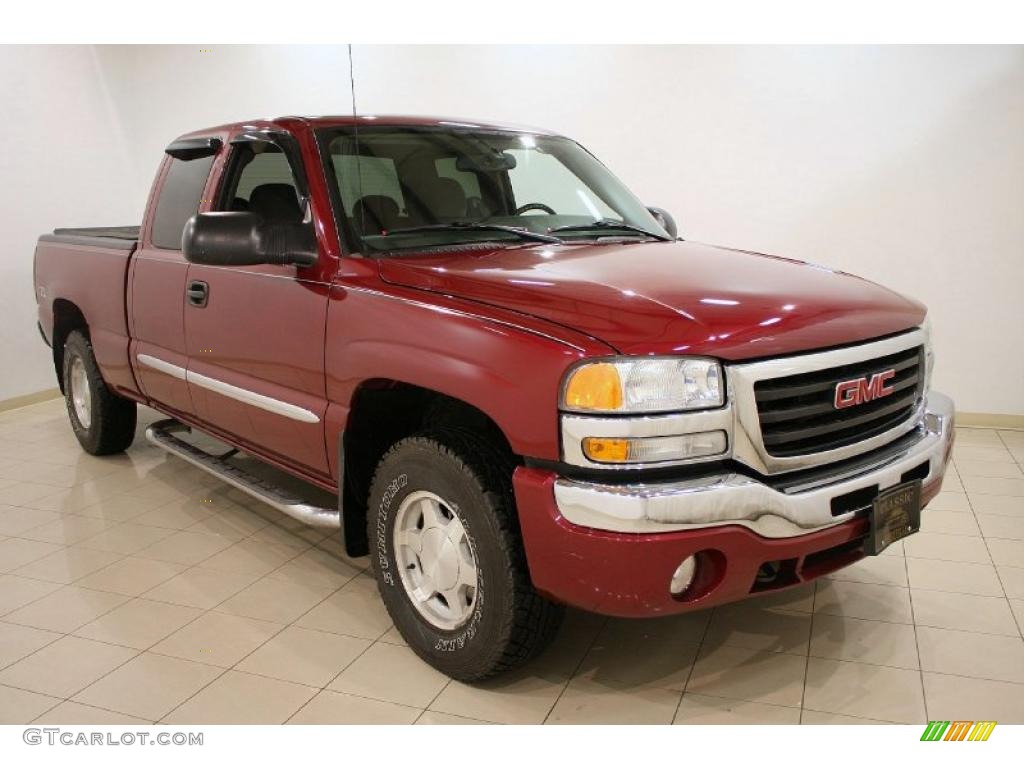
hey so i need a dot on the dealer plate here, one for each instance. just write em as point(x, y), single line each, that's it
point(895, 515)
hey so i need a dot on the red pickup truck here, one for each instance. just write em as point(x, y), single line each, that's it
point(524, 388)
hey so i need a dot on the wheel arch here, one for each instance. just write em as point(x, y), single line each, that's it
point(382, 412)
point(67, 318)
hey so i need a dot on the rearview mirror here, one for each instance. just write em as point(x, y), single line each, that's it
point(486, 162)
point(237, 238)
point(665, 220)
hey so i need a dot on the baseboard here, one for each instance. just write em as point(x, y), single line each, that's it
point(30, 399)
point(989, 420)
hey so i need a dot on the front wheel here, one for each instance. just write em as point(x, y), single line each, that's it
point(448, 559)
point(102, 421)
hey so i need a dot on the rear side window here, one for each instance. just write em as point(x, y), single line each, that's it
point(179, 200)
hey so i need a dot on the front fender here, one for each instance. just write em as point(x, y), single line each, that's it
point(507, 366)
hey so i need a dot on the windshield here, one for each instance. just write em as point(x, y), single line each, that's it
point(413, 188)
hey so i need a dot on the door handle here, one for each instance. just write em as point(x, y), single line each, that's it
point(198, 293)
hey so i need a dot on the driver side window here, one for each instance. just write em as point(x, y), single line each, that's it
point(260, 180)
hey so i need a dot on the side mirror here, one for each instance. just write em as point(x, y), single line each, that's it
point(664, 218)
point(237, 238)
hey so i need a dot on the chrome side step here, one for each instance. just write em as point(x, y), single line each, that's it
point(161, 434)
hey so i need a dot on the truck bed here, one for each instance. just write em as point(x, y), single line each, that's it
point(85, 272)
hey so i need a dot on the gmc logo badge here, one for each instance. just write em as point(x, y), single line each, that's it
point(864, 389)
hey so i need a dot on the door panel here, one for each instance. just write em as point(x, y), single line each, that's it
point(158, 332)
point(156, 283)
point(256, 358)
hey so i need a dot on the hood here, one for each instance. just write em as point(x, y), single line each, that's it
point(670, 298)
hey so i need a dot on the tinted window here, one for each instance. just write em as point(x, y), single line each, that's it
point(447, 169)
point(543, 179)
point(179, 200)
point(259, 179)
point(409, 188)
point(366, 176)
point(265, 168)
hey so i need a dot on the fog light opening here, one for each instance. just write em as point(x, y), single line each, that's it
point(768, 572)
point(683, 576)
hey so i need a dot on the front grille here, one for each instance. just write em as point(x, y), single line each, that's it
point(798, 414)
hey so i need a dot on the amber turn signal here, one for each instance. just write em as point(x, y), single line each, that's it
point(606, 449)
point(594, 387)
point(652, 450)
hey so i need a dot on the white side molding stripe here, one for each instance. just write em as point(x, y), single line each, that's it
point(163, 366)
point(254, 399)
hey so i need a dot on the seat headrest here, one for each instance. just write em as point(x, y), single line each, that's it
point(276, 202)
point(374, 214)
point(440, 197)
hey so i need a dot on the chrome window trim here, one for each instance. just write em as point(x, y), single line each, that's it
point(748, 447)
point(255, 399)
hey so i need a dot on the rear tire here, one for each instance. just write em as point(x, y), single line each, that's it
point(103, 422)
point(489, 618)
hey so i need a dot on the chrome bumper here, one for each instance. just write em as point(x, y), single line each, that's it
point(736, 499)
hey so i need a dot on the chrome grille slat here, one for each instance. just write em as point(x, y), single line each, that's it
point(893, 407)
point(797, 415)
point(771, 389)
point(768, 417)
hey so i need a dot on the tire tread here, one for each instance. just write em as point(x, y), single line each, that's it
point(114, 417)
point(534, 620)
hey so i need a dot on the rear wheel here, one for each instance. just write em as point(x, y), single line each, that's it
point(102, 421)
point(448, 558)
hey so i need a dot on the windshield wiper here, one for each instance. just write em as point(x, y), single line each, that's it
point(608, 224)
point(474, 226)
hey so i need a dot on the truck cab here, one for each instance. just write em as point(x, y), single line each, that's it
point(521, 387)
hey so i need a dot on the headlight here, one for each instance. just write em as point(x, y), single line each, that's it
point(644, 385)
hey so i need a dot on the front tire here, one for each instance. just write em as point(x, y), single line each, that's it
point(448, 559)
point(103, 422)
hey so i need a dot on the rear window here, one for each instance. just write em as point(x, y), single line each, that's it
point(180, 195)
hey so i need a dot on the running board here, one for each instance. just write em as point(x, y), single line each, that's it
point(161, 434)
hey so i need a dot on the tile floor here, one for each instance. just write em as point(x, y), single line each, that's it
point(137, 589)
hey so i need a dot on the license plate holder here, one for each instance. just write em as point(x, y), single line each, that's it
point(895, 514)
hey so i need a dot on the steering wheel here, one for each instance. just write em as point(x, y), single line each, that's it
point(535, 207)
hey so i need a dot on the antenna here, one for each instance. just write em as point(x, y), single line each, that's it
point(352, 79)
point(355, 131)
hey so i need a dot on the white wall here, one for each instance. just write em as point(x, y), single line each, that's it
point(905, 165)
point(63, 162)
